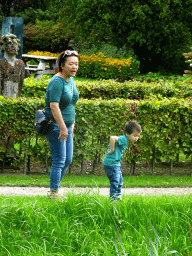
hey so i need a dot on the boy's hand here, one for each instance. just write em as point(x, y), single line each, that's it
point(111, 150)
point(112, 141)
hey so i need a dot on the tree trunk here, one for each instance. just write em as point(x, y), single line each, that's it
point(5, 154)
point(25, 162)
point(29, 164)
point(191, 167)
point(70, 169)
point(93, 166)
point(153, 162)
point(29, 161)
point(171, 167)
point(25, 159)
point(46, 162)
point(132, 167)
point(82, 162)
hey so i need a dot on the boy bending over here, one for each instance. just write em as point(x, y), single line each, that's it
point(116, 149)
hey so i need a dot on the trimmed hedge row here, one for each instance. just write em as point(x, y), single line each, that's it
point(111, 89)
point(166, 124)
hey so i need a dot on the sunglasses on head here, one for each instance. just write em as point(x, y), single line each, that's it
point(69, 53)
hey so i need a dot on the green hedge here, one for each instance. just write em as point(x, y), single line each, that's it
point(111, 89)
point(16, 117)
point(34, 88)
point(166, 124)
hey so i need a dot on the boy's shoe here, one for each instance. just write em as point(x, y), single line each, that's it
point(118, 198)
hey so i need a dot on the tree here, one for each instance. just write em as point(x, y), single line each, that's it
point(156, 30)
point(21, 5)
point(6, 7)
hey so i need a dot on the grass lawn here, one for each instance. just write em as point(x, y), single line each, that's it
point(96, 181)
point(92, 225)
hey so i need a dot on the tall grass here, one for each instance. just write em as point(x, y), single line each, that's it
point(92, 225)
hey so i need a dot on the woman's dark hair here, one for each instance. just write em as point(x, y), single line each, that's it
point(132, 126)
point(63, 57)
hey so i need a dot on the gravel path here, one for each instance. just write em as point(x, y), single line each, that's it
point(42, 191)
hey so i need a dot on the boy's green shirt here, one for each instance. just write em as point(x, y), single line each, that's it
point(114, 159)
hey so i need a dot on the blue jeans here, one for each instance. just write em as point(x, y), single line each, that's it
point(62, 154)
point(116, 180)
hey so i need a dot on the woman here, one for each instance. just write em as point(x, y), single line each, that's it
point(60, 99)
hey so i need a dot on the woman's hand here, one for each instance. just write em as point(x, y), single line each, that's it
point(72, 129)
point(59, 119)
point(63, 134)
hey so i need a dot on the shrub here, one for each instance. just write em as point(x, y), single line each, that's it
point(111, 89)
point(166, 125)
point(99, 66)
point(44, 36)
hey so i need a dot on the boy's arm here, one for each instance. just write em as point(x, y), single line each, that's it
point(112, 141)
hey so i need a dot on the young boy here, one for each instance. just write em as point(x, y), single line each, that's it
point(117, 147)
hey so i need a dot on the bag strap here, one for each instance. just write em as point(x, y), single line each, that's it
point(72, 86)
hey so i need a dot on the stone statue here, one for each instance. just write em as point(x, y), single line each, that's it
point(12, 70)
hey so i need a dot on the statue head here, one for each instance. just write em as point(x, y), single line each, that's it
point(10, 44)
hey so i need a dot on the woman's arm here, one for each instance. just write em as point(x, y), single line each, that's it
point(112, 141)
point(59, 119)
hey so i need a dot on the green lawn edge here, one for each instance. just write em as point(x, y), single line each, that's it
point(96, 181)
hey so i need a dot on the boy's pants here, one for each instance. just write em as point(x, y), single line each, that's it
point(116, 180)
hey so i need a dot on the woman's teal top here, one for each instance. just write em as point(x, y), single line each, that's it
point(66, 94)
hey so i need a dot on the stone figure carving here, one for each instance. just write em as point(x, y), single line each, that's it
point(12, 70)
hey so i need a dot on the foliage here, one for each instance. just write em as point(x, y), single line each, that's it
point(50, 33)
point(99, 66)
point(17, 117)
point(12, 7)
point(6, 7)
point(158, 77)
point(157, 31)
point(111, 89)
point(166, 125)
point(30, 15)
point(68, 8)
point(34, 88)
point(110, 51)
